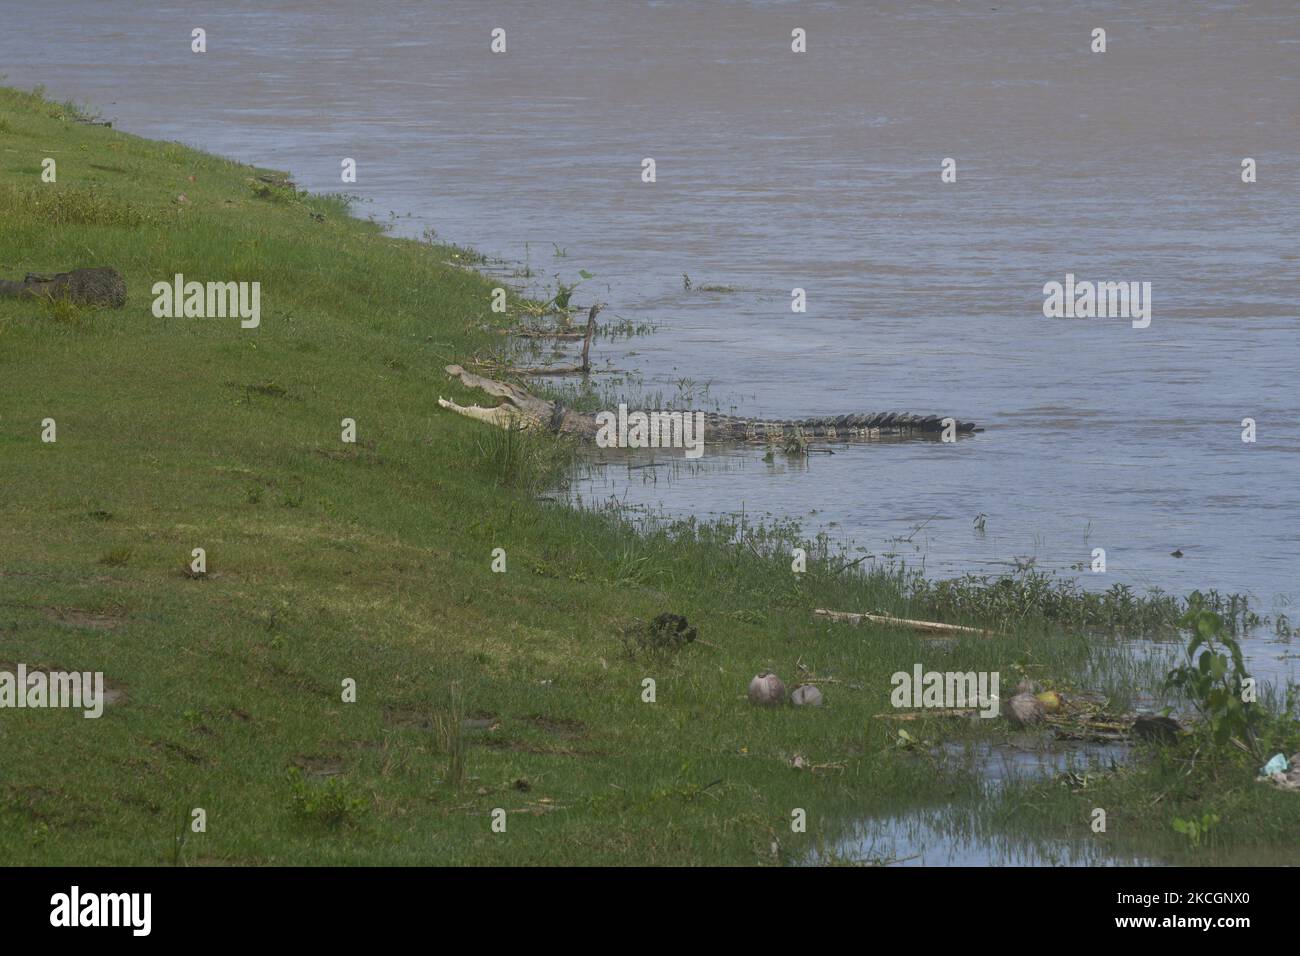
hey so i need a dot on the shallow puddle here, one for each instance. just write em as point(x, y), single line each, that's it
point(953, 836)
point(946, 837)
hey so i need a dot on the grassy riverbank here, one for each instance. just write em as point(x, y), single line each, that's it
point(372, 562)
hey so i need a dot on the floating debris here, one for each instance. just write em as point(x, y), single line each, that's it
point(1283, 778)
point(1156, 728)
point(1024, 709)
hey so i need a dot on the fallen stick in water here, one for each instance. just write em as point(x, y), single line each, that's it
point(932, 626)
point(582, 369)
point(532, 332)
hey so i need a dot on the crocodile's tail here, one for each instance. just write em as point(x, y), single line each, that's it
point(865, 426)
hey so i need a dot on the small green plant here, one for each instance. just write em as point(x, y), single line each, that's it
point(905, 741)
point(1213, 679)
point(1196, 830)
point(63, 310)
point(519, 459)
point(796, 444)
point(72, 206)
point(332, 803)
point(277, 191)
point(117, 558)
point(664, 636)
point(565, 292)
point(448, 730)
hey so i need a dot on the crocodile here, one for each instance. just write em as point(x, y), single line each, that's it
point(98, 286)
point(524, 410)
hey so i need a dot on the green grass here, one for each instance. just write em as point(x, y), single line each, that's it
point(372, 563)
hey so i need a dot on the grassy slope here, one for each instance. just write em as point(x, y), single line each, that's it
point(371, 562)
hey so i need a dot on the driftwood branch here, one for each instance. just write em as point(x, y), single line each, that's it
point(927, 626)
point(591, 330)
point(585, 367)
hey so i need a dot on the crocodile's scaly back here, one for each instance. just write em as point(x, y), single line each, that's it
point(862, 427)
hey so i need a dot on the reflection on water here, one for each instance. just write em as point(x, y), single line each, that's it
point(950, 836)
point(945, 838)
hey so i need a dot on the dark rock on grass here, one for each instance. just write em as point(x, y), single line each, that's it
point(97, 286)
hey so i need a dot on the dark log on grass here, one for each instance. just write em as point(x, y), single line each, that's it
point(97, 286)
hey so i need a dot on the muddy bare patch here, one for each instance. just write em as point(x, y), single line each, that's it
point(319, 766)
point(407, 718)
point(188, 754)
point(542, 748)
point(46, 805)
point(558, 726)
point(140, 802)
point(481, 720)
point(114, 691)
point(304, 682)
point(266, 389)
point(415, 718)
point(81, 619)
point(361, 452)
